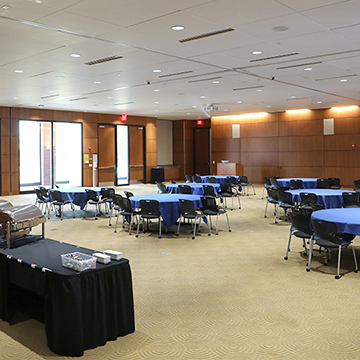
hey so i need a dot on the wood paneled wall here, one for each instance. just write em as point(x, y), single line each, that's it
point(183, 144)
point(90, 123)
point(290, 144)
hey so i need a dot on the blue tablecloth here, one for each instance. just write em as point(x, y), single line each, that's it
point(220, 179)
point(308, 183)
point(327, 197)
point(346, 219)
point(77, 195)
point(169, 205)
point(196, 188)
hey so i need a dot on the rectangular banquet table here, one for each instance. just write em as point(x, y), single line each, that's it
point(169, 205)
point(77, 195)
point(80, 310)
point(196, 188)
point(326, 197)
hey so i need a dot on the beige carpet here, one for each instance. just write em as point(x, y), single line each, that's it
point(231, 296)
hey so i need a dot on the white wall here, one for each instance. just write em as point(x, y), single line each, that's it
point(164, 143)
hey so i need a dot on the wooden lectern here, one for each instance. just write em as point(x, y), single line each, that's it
point(230, 169)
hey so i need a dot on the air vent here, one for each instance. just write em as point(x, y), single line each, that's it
point(100, 61)
point(299, 65)
point(175, 74)
point(336, 77)
point(49, 96)
point(249, 88)
point(274, 57)
point(208, 79)
point(77, 99)
point(197, 37)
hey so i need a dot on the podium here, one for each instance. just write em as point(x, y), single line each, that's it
point(230, 169)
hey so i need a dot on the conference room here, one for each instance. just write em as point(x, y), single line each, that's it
point(108, 96)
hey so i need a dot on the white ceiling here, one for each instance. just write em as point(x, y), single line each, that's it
point(38, 37)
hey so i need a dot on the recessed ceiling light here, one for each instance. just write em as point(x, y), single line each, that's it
point(268, 106)
point(60, 77)
point(308, 69)
point(97, 82)
point(194, 106)
point(319, 102)
point(110, 97)
point(343, 80)
point(226, 110)
point(202, 97)
point(292, 97)
point(156, 70)
point(75, 55)
point(257, 52)
point(156, 102)
point(216, 82)
point(156, 90)
point(5, 7)
point(118, 74)
point(259, 90)
point(156, 110)
point(187, 113)
point(41, 105)
point(15, 98)
point(280, 28)
point(51, 91)
point(121, 88)
point(18, 71)
point(177, 27)
point(239, 102)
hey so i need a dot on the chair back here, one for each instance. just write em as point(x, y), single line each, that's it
point(231, 180)
point(274, 182)
point(211, 179)
point(187, 207)
point(39, 195)
point(185, 189)
point(107, 193)
point(350, 198)
point(196, 178)
point(44, 191)
point(92, 195)
point(126, 205)
point(334, 183)
point(273, 193)
point(188, 178)
point(296, 184)
point(149, 207)
point(300, 220)
point(128, 194)
point(117, 200)
point(285, 197)
point(323, 184)
point(267, 182)
point(226, 189)
point(209, 190)
point(243, 179)
point(357, 185)
point(161, 187)
point(55, 195)
point(209, 203)
point(307, 198)
point(173, 182)
point(325, 230)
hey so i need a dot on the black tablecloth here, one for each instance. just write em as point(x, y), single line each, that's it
point(82, 310)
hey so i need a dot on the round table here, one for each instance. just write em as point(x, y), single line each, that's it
point(308, 183)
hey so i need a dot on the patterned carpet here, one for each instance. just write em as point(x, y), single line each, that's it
point(231, 296)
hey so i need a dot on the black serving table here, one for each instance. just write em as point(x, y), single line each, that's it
point(80, 310)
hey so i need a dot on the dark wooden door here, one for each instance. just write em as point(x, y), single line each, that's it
point(202, 151)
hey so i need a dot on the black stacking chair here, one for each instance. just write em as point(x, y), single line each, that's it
point(211, 179)
point(196, 178)
point(161, 188)
point(107, 198)
point(266, 185)
point(323, 184)
point(272, 198)
point(334, 183)
point(43, 202)
point(188, 212)
point(210, 192)
point(233, 182)
point(210, 208)
point(57, 200)
point(172, 182)
point(357, 185)
point(188, 178)
point(93, 199)
point(326, 235)
point(228, 192)
point(285, 202)
point(123, 207)
point(300, 227)
point(307, 199)
point(296, 184)
point(351, 199)
point(185, 189)
point(244, 182)
point(128, 194)
point(273, 182)
point(149, 210)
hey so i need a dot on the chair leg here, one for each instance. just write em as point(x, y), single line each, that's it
point(228, 222)
point(217, 223)
point(111, 210)
point(208, 222)
point(288, 246)
point(178, 227)
point(239, 201)
point(159, 228)
point(116, 222)
point(254, 190)
point(266, 205)
point(131, 222)
point(338, 265)
point(355, 260)
point(73, 209)
point(262, 195)
point(138, 227)
point(310, 253)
